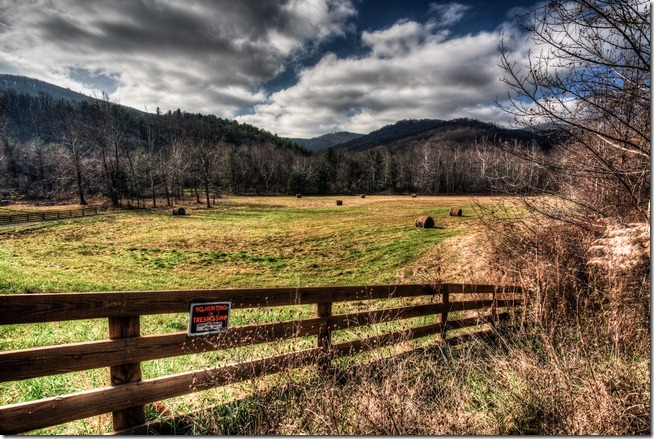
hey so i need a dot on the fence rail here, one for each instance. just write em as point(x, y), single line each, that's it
point(126, 348)
point(26, 217)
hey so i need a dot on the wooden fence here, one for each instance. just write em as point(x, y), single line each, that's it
point(27, 217)
point(126, 348)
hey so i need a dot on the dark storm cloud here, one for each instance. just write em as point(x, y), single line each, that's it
point(218, 56)
point(226, 35)
point(59, 29)
point(412, 70)
point(207, 56)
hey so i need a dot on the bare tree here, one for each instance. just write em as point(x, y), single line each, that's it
point(588, 75)
point(107, 135)
point(71, 133)
point(204, 142)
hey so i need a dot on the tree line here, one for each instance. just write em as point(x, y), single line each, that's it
point(58, 149)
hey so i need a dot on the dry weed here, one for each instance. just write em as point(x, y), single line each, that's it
point(579, 366)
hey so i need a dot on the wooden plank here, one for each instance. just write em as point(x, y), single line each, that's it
point(36, 362)
point(466, 323)
point(467, 338)
point(18, 218)
point(52, 360)
point(23, 417)
point(474, 321)
point(353, 320)
point(38, 308)
point(478, 289)
point(47, 215)
point(363, 345)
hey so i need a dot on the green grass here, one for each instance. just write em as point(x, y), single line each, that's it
point(243, 242)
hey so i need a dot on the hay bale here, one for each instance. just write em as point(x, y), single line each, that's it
point(339, 202)
point(179, 211)
point(298, 196)
point(363, 195)
point(414, 195)
point(455, 212)
point(426, 222)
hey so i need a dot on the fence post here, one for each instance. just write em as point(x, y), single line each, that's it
point(126, 327)
point(493, 310)
point(442, 317)
point(324, 337)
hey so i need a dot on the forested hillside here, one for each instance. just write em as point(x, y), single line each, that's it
point(58, 148)
point(34, 87)
point(326, 140)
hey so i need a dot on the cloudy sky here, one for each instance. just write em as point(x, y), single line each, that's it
point(298, 68)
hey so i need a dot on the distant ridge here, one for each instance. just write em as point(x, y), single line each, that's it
point(26, 126)
point(326, 140)
point(35, 87)
point(389, 133)
point(462, 131)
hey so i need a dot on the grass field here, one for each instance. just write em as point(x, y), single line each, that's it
point(242, 242)
point(526, 385)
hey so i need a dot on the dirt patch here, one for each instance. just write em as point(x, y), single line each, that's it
point(459, 259)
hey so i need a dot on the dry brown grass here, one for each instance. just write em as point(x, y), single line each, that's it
point(580, 365)
point(491, 386)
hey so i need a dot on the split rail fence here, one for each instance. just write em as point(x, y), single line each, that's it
point(126, 347)
point(26, 217)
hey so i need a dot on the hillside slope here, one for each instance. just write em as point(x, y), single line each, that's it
point(34, 87)
point(326, 140)
point(461, 132)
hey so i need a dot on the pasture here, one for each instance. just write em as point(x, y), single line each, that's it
point(241, 242)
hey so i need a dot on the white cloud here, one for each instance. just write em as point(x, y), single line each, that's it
point(400, 38)
point(410, 72)
point(200, 56)
point(449, 13)
point(215, 57)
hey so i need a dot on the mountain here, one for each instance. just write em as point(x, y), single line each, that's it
point(46, 130)
point(463, 132)
point(326, 140)
point(34, 87)
point(30, 116)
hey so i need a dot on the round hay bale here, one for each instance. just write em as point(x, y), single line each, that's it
point(426, 222)
point(363, 195)
point(298, 196)
point(455, 212)
point(339, 202)
point(414, 195)
point(179, 211)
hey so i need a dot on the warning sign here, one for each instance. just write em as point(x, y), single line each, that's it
point(209, 318)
